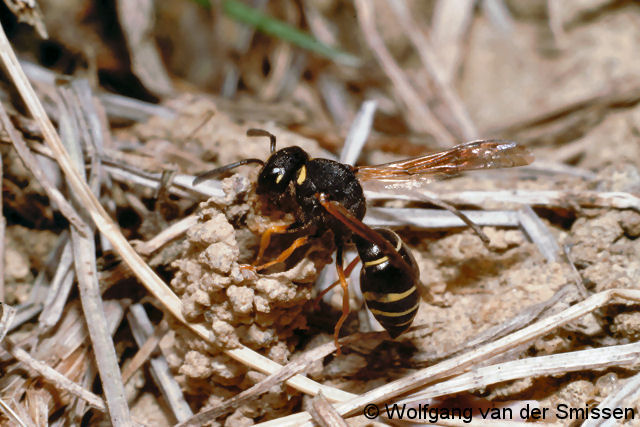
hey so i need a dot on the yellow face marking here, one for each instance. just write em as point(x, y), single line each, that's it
point(393, 314)
point(279, 178)
point(376, 261)
point(388, 297)
point(302, 175)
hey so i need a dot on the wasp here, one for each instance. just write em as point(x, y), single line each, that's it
point(328, 196)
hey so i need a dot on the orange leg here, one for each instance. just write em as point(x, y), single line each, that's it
point(285, 254)
point(266, 238)
point(347, 273)
point(345, 299)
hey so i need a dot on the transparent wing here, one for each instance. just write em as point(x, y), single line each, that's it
point(484, 154)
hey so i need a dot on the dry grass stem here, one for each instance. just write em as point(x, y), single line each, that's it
point(136, 19)
point(358, 133)
point(499, 15)
point(7, 315)
point(463, 362)
point(292, 368)
point(548, 198)
point(620, 92)
point(335, 98)
point(437, 219)
point(143, 354)
point(449, 25)
point(84, 253)
point(564, 296)
point(174, 231)
point(324, 414)
point(3, 227)
point(596, 358)
point(55, 377)
point(539, 233)
point(554, 12)
point(85, 265)
point(59, 291)
point(142, 329)
point(629, 391)
point(99, 192)
point(420, 118)
point(25, 313)
point(579, 282)
point(126, 108)
point(30, 161)
point(10, 413)
point(465, 127)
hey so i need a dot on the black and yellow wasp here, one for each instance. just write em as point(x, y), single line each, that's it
point(328, 195)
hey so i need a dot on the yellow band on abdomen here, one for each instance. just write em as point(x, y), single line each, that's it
point(388, 297)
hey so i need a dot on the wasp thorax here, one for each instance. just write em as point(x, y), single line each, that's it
point(280, 169)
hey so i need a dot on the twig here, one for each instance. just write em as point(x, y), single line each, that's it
point(141, 329)
point(55, 377)
point(210, 188)
point(419, 116)
point(38, 292)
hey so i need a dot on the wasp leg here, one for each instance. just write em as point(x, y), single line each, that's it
point(347, 273)
point(279, 229)
point(284, 255)
point(266, 239)
point(345, 299)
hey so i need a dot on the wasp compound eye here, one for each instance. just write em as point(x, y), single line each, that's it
point(280, 169)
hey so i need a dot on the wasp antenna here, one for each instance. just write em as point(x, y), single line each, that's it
point(262, 132)
point(222, 169)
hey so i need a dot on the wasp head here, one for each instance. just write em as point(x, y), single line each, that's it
point(279, 170)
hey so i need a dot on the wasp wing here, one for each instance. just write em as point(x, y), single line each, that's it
point(359, 228)
point(484, 154)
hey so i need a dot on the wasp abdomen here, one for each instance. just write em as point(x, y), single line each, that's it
point(389, 290)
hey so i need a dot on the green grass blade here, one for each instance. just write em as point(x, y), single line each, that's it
point(268, 25)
